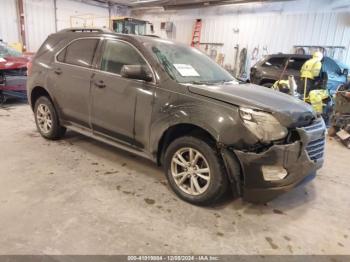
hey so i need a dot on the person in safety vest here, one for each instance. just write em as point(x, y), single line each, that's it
point(309, 71)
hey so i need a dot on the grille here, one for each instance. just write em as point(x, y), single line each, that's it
point(315, 126)
point(315, 148)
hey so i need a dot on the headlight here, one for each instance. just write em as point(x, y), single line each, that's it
point(263, 125)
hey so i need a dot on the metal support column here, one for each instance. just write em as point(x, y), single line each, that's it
point(21, 19)
point(55, 13)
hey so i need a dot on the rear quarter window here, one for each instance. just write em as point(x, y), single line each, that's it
point(80, 52)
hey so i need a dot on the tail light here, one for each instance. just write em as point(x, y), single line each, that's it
point(29, 67)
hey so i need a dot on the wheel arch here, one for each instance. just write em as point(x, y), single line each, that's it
point(178, 130)
point(231, 163)
point(37, 92)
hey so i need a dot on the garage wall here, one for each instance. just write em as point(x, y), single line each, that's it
point(93, 15)
point(40, 21)
point(40, 18)
point(276, 29)
point(8, 22)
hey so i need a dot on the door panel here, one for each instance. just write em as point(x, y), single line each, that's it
point(115, 98)
point(145, 96)
point(113, 106)
point(71, 89)
point(70, 80)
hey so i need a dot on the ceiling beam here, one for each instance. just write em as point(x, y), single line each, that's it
point(181, 4)
point(216, 3)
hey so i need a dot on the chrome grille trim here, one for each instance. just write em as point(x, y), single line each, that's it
point(315, 149)
point(315, 126)
point(316, 143)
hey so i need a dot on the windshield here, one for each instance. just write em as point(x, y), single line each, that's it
point(188, 65)
point(6, 51)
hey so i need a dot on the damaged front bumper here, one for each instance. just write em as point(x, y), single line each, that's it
point(298, 160)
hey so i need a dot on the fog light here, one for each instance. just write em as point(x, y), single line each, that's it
point(273, 173)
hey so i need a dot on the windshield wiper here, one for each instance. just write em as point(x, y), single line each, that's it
point(200, 83)
point(226, 81)
point(164, 61)
point(209, 82)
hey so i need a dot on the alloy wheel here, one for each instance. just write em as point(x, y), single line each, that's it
point(190, 170)
point(44, 118)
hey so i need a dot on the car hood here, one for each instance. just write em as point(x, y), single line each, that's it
point(290, 111)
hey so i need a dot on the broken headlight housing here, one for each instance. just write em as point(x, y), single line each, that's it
point(263, 125)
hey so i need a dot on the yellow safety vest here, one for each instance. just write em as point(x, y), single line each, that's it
point(311, 68)
point(316, 99)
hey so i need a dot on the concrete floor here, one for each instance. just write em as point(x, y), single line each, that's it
point(79, 196)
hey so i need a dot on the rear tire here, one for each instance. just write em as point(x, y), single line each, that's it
point(195, 171)
point(46, 119)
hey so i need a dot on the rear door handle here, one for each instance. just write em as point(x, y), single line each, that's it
point(58, 71)
point(100, 84)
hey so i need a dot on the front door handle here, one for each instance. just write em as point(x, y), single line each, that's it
point(100, 84)
point(58, 71)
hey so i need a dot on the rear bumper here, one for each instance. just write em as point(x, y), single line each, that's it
point(300, 159)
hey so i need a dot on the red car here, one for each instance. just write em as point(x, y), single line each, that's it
point(13, 73)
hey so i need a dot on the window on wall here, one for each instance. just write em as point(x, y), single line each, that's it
point(117, 54)
point(80, 52)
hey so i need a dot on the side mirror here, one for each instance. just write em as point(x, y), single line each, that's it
point(345, 71)
point(138, 72)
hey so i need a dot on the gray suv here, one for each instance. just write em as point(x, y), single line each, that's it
point(173, 105)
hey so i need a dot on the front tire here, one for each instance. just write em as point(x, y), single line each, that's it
point(195, 171)
point(46, 119)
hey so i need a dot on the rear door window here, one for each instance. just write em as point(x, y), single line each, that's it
point(276, 62)
point(117, 54)
point(80, 52)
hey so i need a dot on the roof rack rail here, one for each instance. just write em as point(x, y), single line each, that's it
point(85, 30)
